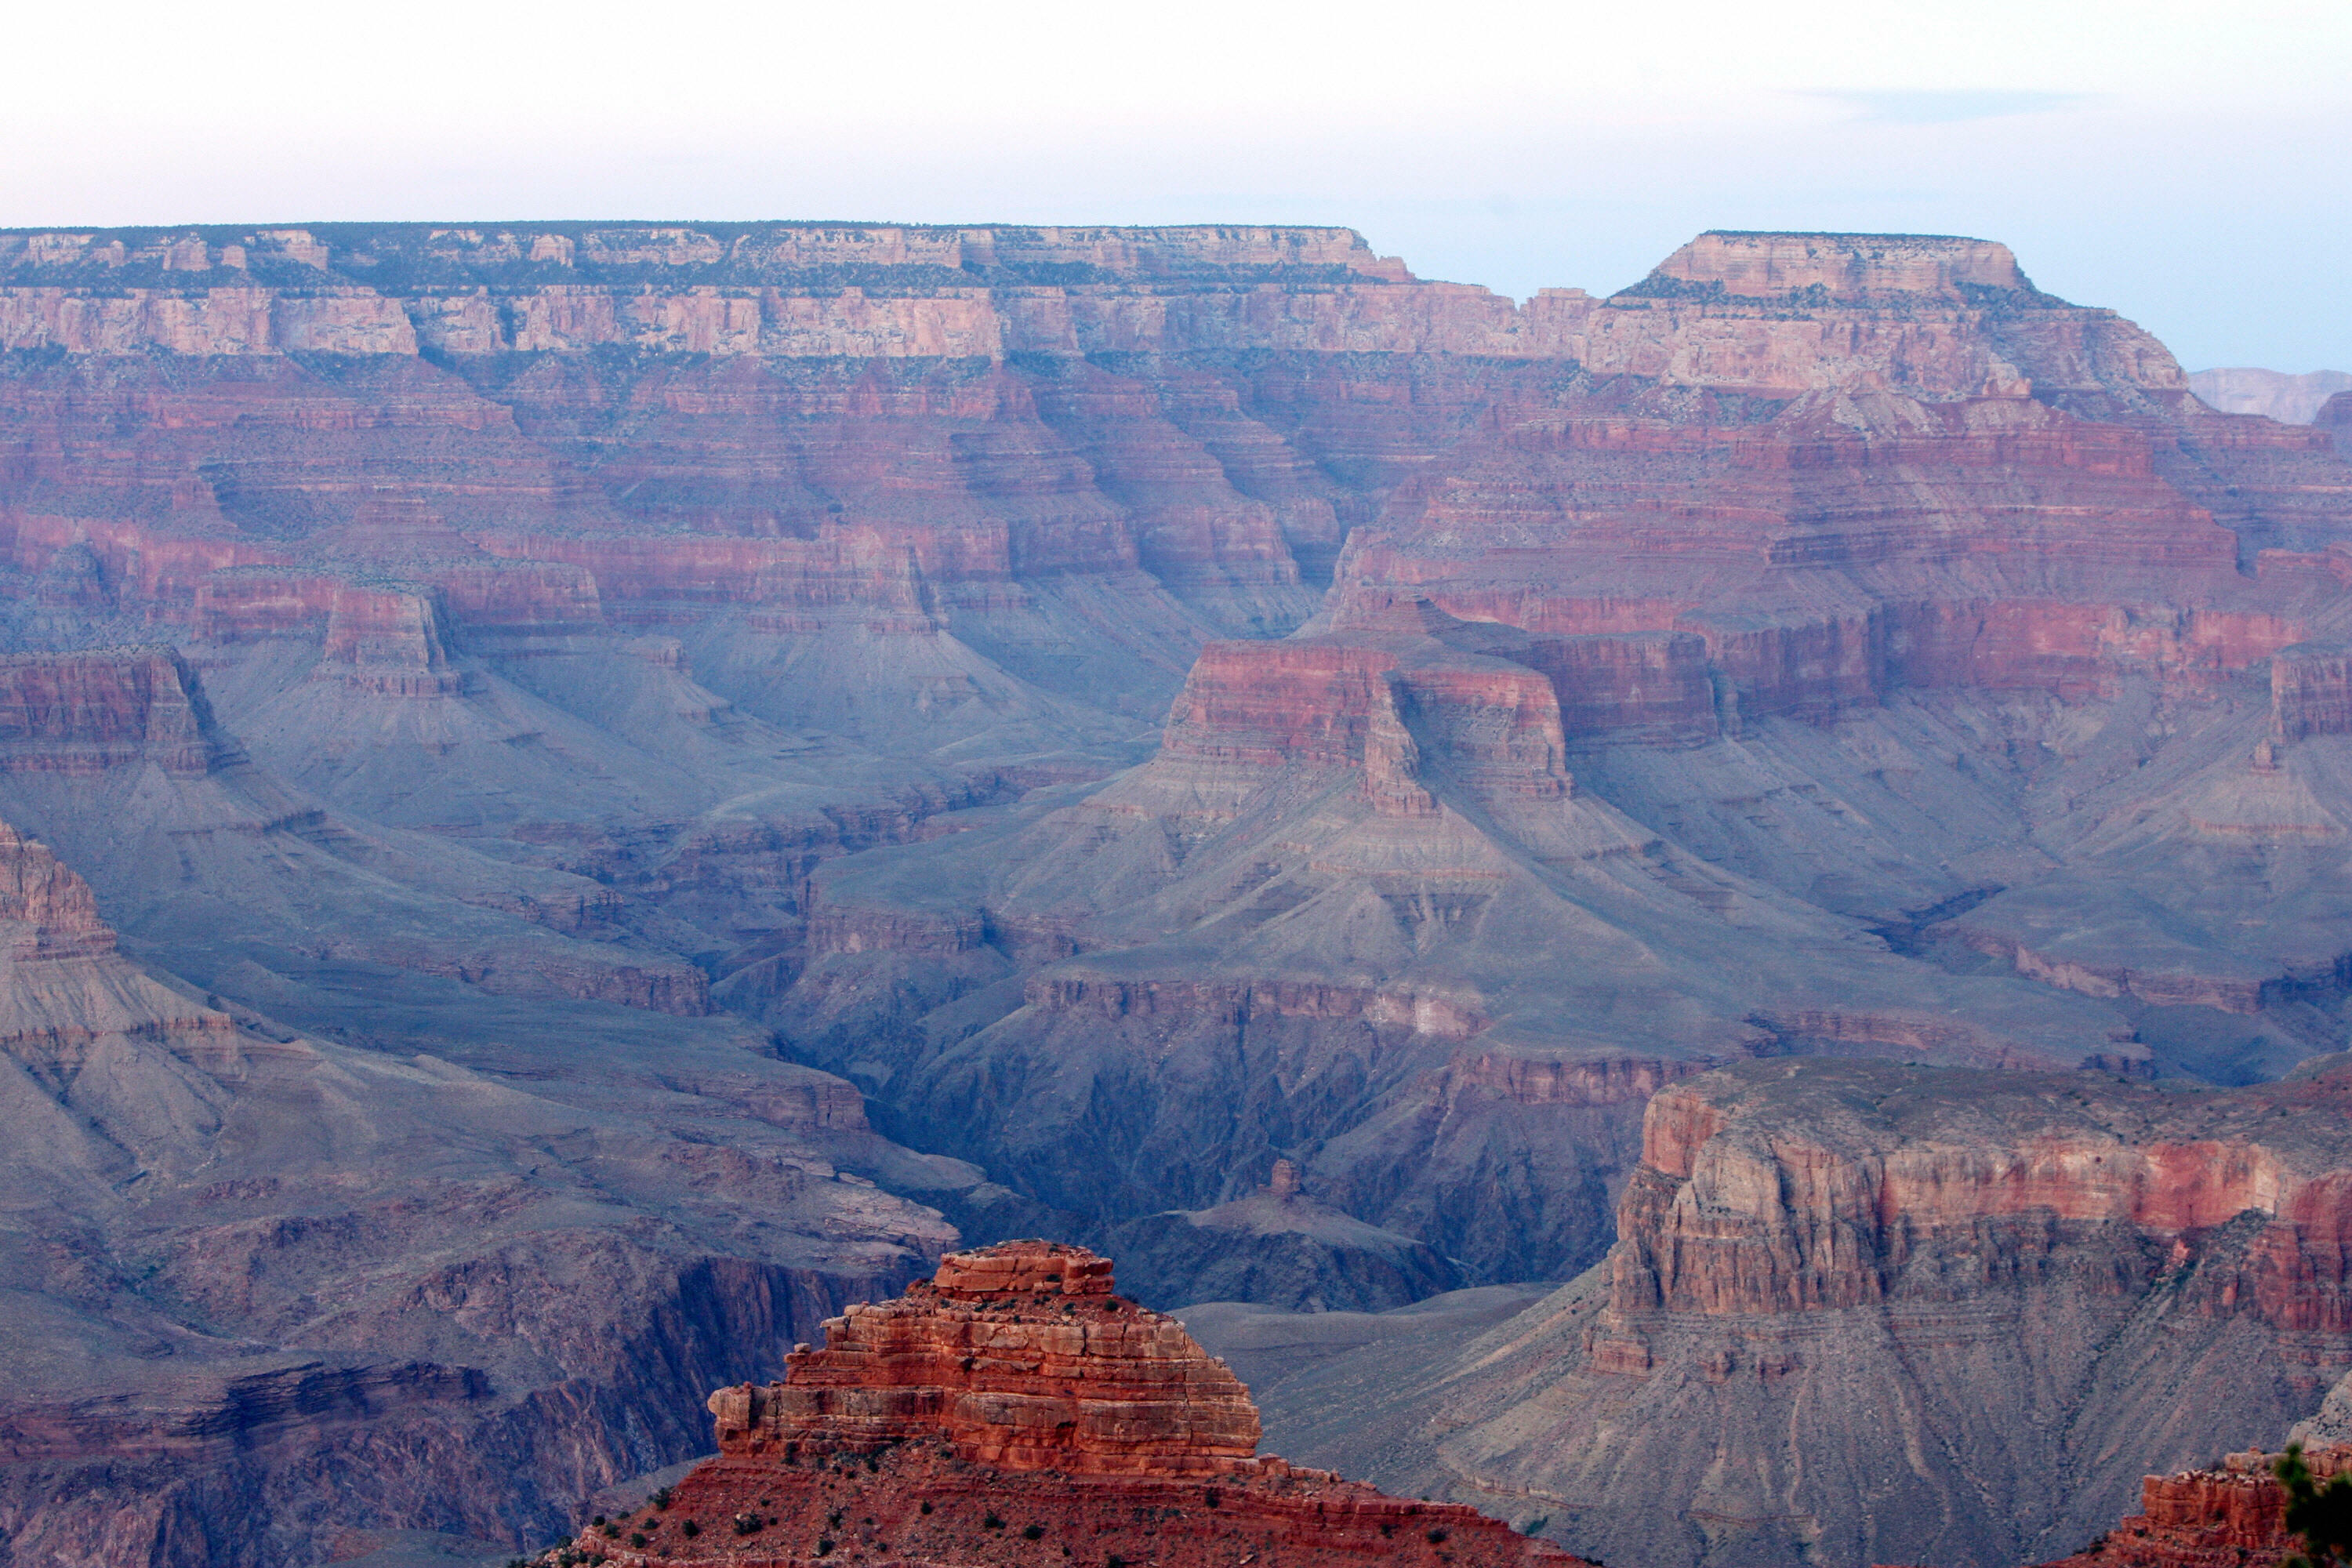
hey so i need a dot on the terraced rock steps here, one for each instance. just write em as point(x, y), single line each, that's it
point(1012, 1410)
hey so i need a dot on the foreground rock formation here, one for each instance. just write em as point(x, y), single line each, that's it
point(2216, 1517)
point(1921, 1316)
point(1013, 1410)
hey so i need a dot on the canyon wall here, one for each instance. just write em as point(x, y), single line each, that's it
point(1133, 711)
point(1925, 1316)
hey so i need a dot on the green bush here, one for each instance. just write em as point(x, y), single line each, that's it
point(2322, 1515)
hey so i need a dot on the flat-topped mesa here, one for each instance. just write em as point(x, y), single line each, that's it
point(1017, 1355)
point(440, 258)
point(1855, 268)
point(1786, 1189)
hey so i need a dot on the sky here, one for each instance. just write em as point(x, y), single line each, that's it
point(2188, 164)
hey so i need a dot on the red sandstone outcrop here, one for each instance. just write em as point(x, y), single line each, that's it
point(1011, 1409)
point(2233, 1514)
point(81, 714)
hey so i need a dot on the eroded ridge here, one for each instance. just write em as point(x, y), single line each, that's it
point(1014, 1409)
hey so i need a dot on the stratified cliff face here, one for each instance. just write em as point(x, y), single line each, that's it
point(1864, 653)
point(1923, 1315)
point(1139, 706)
point(1013, 1409)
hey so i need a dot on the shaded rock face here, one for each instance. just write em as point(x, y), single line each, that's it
point(246, 1318)
point(1280, 1246)
point(1013, 1409)
point(2233, 1514)
point(1923, 1317)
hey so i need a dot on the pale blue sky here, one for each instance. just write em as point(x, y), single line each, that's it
point(2188, 164)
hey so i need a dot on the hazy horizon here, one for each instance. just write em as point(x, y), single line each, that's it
point(2179, 168)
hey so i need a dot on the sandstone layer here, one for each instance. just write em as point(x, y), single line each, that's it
point(1013, 1410)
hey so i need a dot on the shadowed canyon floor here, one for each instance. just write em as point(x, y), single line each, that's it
point(651, 778)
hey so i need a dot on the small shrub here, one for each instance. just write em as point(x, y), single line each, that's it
point(927, 1508)
point(747, 1524)
point(1033, 1532)
point(661, 1498)
point(823, 1546)
point(2322, 1515)
point(832, 1520)
point(689, 1530)
point(637, 1539)
point(1536, 1525)
point(1214, 1498)
point(991, 1521)
point(1437, 1537)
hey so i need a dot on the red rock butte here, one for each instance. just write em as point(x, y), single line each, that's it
point(1013, 1409)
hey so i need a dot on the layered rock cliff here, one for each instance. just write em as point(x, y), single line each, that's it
point(1146, 705)
point(1922, 1315)
point(1013, 1409)
point(1861, 653)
